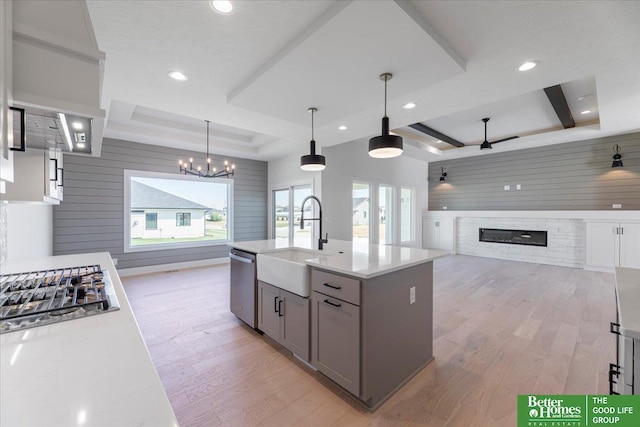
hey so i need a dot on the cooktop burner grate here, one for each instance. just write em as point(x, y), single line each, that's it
point(42, 297)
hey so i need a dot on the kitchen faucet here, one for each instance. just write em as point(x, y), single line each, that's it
point(321, 241)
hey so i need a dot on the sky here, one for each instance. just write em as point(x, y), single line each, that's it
point(206, 192)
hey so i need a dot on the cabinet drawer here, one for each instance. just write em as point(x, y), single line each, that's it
point(341, 287)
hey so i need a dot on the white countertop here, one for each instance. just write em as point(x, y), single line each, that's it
point(628, 294)
point(93, 371)
point(354, 259)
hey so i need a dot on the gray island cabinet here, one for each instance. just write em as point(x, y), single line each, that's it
point(367, 336)
point(364, 318)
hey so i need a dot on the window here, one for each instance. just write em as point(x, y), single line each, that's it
point(287, 212)
point(183, 219)
point(361, 203)
point(151, 221)
point(381, 214)
point(166, 211)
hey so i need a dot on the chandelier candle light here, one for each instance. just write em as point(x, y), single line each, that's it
point(224, 173)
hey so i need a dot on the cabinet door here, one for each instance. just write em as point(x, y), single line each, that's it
point(446, 235)
point(294, 324)
point(630, 245)
point(336, 341)
point(429, 233)
point(268, 310)
point(602, 244)
point(53, 174)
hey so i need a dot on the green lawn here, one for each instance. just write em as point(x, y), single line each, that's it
point(214, 230)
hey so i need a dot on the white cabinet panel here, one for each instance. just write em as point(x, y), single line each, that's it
point(611, 244)
point(630, 245)
point(438, 233)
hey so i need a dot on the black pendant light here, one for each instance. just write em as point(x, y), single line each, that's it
point(443, 174)
point(617, 158)
point(385, 146)
point(312, 162)
point(485, 144)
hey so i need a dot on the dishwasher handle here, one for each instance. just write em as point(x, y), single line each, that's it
point(241, 259)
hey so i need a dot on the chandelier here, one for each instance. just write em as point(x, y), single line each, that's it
point(226, 172)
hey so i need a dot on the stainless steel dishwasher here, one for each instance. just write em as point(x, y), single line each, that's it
point(243, 286)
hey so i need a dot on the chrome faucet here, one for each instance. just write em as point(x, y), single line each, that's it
point(321, 241)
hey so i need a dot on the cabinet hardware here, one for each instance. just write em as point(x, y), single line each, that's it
point(61, 177)
point(621, 230)
point(614, 328)
point(55, 170)
point(332, 303)
point(332, 287)
point(614, 370)
point(275, 305)
point(280, 313)
point(241, 259)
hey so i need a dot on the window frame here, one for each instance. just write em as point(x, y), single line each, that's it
point(291, 213)
point(183, 216)
point(128, 248)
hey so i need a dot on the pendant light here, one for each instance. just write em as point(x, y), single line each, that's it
point(312, 162)
point(224, 173)
point(617, 158)
point(385, 146)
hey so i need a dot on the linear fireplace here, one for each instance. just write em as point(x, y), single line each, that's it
point(514, 237)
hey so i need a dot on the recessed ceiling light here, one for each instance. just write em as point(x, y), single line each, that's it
point(223, 7)
point(585, 112)
point(438, 142)
point(81, 145)
point(409, 106)
point(583, 97)
point(77, 126)
point(528, 65)
point(177, 75)
point(342, 127)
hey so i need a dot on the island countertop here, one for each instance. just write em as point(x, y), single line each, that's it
point(628, 294)
point(93, 371)
point(356, 259)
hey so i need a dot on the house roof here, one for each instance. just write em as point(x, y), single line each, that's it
point(358, 200)
point(146, 197)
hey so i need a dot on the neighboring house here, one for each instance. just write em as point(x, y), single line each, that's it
point(360, 210)
point(158, 214)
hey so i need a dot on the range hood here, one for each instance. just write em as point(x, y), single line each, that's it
point(57, 75)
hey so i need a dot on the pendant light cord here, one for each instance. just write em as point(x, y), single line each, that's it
point(485, 130)
point(385, 97)
point(207, 139)
point(312, 138)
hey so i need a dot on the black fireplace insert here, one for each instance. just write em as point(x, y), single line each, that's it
point(514, 237)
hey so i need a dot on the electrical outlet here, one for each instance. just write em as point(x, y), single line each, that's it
point(617, 206)
point(444, 208)
point(115, 261)
point(518, 187)
point(412, 295)
point(507, 187)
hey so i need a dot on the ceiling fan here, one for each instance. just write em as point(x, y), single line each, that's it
point(487, 144)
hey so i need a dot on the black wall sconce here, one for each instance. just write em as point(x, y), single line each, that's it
point(443, 174)
point(617, 158)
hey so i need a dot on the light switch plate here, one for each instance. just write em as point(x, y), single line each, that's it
point(507, 187)
point(518, 187)
point(444, 208)
point(617, 206)
point(412, 295)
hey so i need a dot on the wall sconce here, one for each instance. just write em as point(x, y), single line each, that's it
point(443, 174)
point(617, 158)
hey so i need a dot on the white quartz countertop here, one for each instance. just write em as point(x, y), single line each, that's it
point(93, 371)
point(351, 258)
point(628, 294)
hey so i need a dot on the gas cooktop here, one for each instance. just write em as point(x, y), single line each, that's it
point(49, 296)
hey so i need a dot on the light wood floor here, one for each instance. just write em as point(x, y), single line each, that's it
point(501, 328)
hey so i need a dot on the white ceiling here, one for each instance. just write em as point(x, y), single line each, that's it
point(253, 73)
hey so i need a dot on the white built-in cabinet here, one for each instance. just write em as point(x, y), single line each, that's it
point(612, 244)
point(38, 177)
point(438, 233)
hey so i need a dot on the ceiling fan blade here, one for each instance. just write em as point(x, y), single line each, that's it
point(505, 139)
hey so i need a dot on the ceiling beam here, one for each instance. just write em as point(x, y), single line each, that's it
point(559, 103)
point(434, 133)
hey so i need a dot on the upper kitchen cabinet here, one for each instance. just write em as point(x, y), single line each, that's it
point(58, 73)
point(38, 177)
point(6, 88)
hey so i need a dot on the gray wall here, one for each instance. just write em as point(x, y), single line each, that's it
point(570, 176)
point(90, 219)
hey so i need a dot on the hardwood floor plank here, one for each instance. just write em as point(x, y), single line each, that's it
point(501, 328)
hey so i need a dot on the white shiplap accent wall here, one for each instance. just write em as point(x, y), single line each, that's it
point(565, 240)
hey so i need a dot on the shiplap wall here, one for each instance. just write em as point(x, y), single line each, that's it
point(570, 176)
point(90, 219)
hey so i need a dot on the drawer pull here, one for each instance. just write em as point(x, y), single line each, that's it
point(275, 305)
point(614, 370)
point(332, 287)
point(280, 313)
point(332, 303)
point(614, 328)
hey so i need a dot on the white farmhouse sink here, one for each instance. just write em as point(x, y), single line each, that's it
point(286, 270)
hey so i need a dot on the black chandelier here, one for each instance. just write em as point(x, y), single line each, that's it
point(210, 173)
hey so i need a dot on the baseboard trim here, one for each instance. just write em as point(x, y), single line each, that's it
point(602, 269)
point(125, 272)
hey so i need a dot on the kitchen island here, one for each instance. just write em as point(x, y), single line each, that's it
point(93, 371)
point(364, 319)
